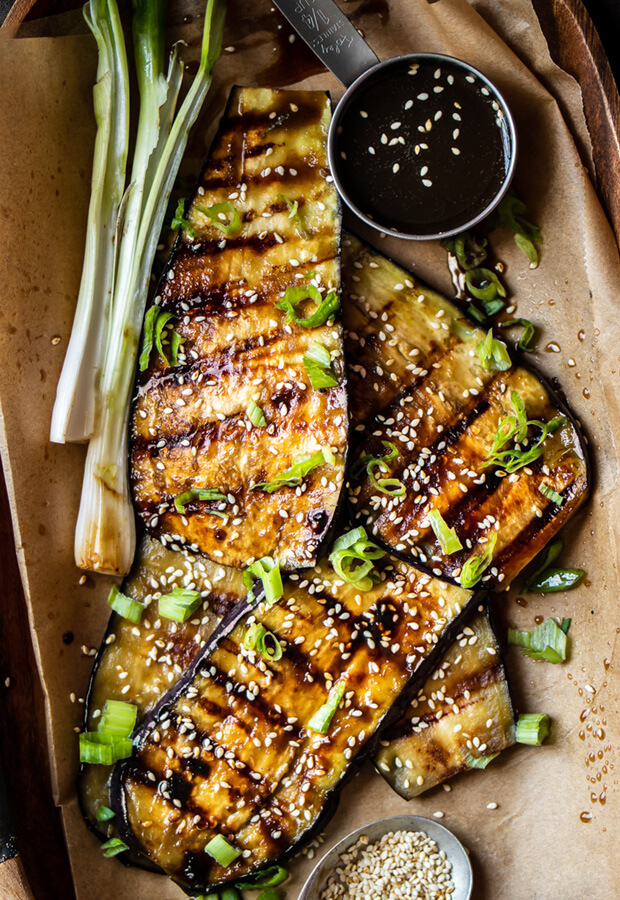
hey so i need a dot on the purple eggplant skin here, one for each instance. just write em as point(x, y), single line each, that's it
point(391, 389)
point(190, 428)
point(194, 871)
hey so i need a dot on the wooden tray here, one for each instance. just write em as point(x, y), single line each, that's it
point(576, 47)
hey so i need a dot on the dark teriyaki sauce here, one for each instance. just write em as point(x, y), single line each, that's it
point(424, 149)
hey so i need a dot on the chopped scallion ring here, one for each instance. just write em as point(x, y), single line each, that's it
point(101, 748)
point(318, 366)
point(446, 536)
point(484, 284)
point(548, 641)
point(219, 213)
point(528, 337)
point(479, 762)
point(268, 571)
point(256, 415)
point(552, 495)
point(533, 728)
point(553, 580)
point(269, 878)
point(510, 211)
point(155, 321)
point(475, 566)
point(392, 486)
point(113, 847)
point(179, 604)
point(124, 606)
point(548, 556)
point(221, 851)
point(326, 307)
point(302, 466)
point(179, 221)
point(104, 814)
point(493, 354)
point(181, 500)
point(294, 214)
point(118, 718)
point(515, 429)
point(264, 642)
point(352, 559)
point(321, 719)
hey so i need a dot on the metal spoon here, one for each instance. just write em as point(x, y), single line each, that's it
point(338, 44)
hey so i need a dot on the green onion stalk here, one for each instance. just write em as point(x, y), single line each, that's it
point(75, 409)
point(105, 533)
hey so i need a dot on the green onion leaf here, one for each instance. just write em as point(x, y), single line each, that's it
point(515, 428)
point(181, 500)
point(180, 222)
point(256, 415)
point(446, 536)
point(476, 314)
point(271, 877)
point(218, 214)
point(321, 719)
point(511, 211)
point(295, 215)
point(118, 718)
point(352, 559)
point(318, 366)
point(179, 604)
point(256, 637)
point(548, 492)
point(553, 580)
point(268, 894)
point(221, 851)
point(155, 321)
point(546, 642)
point(532, 728)
point(475, 566)
point(493, 306)
point(104, 813)
point(268, 571)
point(478, 762)
point(528, 337)
point(493, 354)
point(230, 893)
point(483, 284)
point(565, 625)
point(545, 558)
point(113, 847)
point(326, 307)
point(124, 606)
point(469, 250)
point(102, 748)
point(392, 486)
point(302, 466)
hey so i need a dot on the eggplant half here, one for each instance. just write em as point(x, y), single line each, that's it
point(234, 452)
point(461, 716)
point(244, 748)
point(424, 399)
point(139, 663)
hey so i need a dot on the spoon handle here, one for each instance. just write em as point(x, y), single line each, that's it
point(330, 35)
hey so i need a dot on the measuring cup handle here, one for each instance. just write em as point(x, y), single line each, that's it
point(330, 35)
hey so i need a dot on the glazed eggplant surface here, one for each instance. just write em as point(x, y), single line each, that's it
point(265, 219)
point(419, 386)
point(462, 714)
point(230, 751)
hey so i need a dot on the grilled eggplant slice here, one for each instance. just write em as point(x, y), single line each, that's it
point(419, 385)
point(265, 218)
point(462, 714)
point(230, 751)
point(139, 663)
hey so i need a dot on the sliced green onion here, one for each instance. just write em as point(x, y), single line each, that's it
point(269, 878)
point(294, 214)
point(546, 642)
point(476, 314)
point(124, 606)
point(230, 893)
point(118, 718)
point(493, 354)
point(256, 415)
point(181, 500)
point(491, 307)
point(469, 250)
point(511, 211)
point(446, 536)
point(484, 284)
point(265, 642)
point(545, 558)
point(514, 428)
point(392, 486)
point(318, 366)
point(218, 214)
point(268, 894)
point(553, 580)
point(221, 851)
point(179, 604)
point(479, 762)
point(302, 466)
point(104, 814)
point(565, 625)
point(179, 221)
point(552, 495)
point(102, 748)
point(532, 728)
point(321, 719)
point(155, 321)
point(268, 571)
point(528, 336)
point(326, 307)
point(352, 559)
point(475, 566)
point(113, 847)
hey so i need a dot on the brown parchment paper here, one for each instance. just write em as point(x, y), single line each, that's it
point(534, 845)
